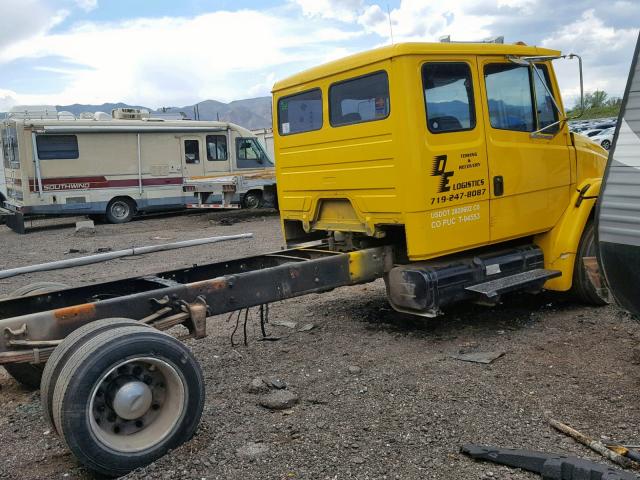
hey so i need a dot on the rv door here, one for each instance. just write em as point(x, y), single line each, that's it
point(192, 159)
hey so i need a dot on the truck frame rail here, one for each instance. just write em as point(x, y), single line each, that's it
point(32, 326)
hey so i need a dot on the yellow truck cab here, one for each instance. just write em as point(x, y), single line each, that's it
point(456, 154)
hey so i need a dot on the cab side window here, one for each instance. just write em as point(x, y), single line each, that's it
point(362, 99)
point(509, 95)
point(448, 96)
point(192, 151)
point(300, 113)
point(216, 147)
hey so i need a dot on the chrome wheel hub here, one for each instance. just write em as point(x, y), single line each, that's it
point(132, 400)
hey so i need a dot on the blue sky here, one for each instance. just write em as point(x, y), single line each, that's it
point(174, 53)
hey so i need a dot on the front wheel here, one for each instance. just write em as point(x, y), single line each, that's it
point(606, 144)
point(126, 397)
point(252, 200)
point(589, 289)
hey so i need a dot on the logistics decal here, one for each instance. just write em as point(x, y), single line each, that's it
point(449, 190)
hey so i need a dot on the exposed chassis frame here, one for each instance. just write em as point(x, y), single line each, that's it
point(32, 326)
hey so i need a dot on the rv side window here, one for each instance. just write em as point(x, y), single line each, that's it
point(358, 100)
point(216, 147)
point(300, 113)
point(57, 147)
point(545, 109)
point(250, 154)
point(448, 96)
point(192, 151)
point(509, 96)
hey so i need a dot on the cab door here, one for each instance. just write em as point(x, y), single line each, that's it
point(530, 175)
point(454, 154)
point(192, 157)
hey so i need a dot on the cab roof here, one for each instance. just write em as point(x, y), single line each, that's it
point(444, 48)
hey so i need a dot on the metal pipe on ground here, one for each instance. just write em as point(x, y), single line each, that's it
point(104, 257)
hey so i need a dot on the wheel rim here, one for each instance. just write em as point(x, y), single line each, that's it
point(120, 209)
point(252, 201)
point(137, 404)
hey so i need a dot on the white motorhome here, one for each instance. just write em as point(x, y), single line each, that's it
point(114, 167)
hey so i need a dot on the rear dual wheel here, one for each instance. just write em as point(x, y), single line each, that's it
point(125, 396)
point(29, 375)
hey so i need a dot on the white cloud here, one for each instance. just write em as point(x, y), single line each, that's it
point(8, 99)
point(417, 20)
point(343, 10)
point(606, 52)
point(87, 5)
point(20, 19)
point(176, 60)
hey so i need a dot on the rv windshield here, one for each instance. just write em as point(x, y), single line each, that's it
point(250, 154)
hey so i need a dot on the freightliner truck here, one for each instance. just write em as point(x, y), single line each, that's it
point(445, 168)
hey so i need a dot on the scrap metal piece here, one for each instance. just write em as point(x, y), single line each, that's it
point(478, 357)
point(549, 466)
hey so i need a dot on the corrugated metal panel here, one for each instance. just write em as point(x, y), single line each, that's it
point(619, 217)
point(619, 203)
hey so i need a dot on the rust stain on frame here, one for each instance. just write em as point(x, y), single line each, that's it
point(86, 311)
point(208, 286)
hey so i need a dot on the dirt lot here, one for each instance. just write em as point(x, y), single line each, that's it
point(402, 413)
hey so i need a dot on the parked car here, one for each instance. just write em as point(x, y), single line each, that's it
point(604, 138)
point(591, 133)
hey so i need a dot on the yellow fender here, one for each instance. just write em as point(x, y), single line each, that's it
point(560, 244)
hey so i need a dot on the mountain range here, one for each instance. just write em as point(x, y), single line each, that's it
point(252, 113)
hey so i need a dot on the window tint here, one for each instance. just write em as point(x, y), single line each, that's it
point(300, 113)
point(509, 96)
point(546, 110)
point(57, 147)
point(448, 96)
point(216, 147)
point(249, 154)
point(359, 100)
point(192, 151)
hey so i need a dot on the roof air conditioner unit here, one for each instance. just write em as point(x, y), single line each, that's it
point(129, 113)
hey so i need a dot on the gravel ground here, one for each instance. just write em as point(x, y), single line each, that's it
point(380, 395)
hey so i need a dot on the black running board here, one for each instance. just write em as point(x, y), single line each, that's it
point(532, 278)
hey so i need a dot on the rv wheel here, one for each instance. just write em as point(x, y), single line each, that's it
point(120, 210)
point(252, 200)
point(126, 397)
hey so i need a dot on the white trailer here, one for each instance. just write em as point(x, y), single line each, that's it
point(116, 168)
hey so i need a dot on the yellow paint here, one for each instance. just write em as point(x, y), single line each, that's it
point(364, 177)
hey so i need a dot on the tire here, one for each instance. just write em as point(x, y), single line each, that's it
point(37, 288)
point(120, 210)
point(29, 375)
point(606, 144)
point(252, 200)
point(61, 354)
point(126, 397)
point(26, 374)
point(582, 288)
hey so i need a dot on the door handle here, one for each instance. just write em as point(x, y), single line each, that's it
point(498, 185)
